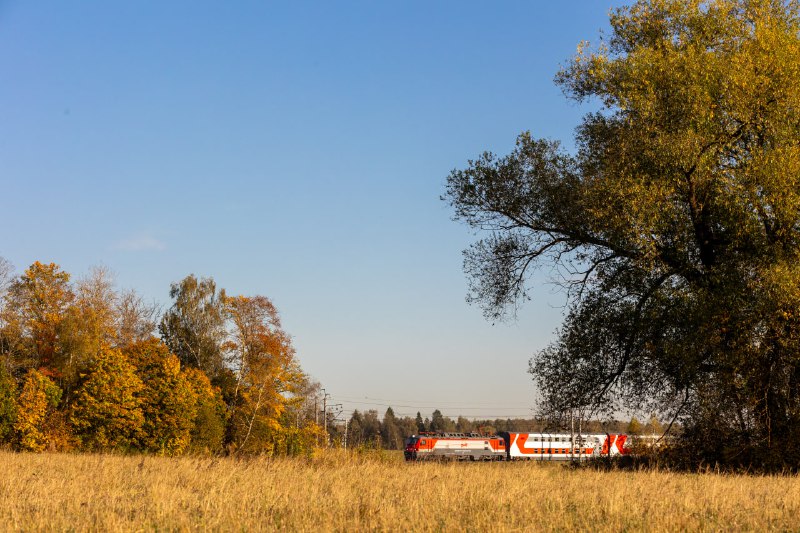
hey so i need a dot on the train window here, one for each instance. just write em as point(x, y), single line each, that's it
point(423, 442)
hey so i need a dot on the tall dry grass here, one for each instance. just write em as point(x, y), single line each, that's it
point(335, 491)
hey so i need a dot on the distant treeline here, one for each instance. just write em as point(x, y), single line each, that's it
point(367, 429)
point(85, 366)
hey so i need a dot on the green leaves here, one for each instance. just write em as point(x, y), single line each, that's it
point(672, 227)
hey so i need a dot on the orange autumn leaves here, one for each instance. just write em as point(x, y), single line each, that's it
point(81, 369)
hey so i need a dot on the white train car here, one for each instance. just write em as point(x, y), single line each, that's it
point(562, 446)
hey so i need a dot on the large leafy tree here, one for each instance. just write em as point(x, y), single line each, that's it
point(194, 327)
point(8, 404)
point(675, 226)
point(32, 319)
point(107, 409)
point(168, 401)
point(38, 399)
point(268, 375)
point(210, 413)
point(89, 324)
point(391, 435)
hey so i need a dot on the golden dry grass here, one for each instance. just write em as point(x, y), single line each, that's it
point(336, 491)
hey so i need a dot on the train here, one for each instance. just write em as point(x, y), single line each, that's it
point(508, 446)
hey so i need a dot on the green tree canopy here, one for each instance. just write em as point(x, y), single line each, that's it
point(194, 327)
point(168, 401)
point(8, 404)
point(675, 226)
point(391, 435)
point(420, 423)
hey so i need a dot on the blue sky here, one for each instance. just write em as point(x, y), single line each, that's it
point(296, 150)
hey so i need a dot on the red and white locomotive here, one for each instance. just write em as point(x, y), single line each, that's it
point(507, 446)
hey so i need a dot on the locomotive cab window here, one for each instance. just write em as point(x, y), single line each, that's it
point(422, 442)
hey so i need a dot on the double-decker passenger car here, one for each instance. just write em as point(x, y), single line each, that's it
point(562, 446)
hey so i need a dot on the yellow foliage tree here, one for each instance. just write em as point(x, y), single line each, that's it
point(168, 399)
point(38, 398)
point(267, 372)
point(88, 324)
point(107, 410)
point(36, 305)
point(210, 413)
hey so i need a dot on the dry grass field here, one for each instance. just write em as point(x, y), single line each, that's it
point(336, 491)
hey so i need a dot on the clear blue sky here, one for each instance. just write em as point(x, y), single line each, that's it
point(296, 150)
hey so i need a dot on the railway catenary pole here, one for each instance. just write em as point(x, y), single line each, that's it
point(334, 411)
point(325, 415)
point(571, 435)
point(316, 417)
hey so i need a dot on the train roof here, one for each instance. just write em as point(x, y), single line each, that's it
point(452, 435)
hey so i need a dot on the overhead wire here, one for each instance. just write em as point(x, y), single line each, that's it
point(421, 403)
point(463, 408)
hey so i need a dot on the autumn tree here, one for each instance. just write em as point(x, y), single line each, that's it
point(107, 409)
point(167, 399)
point(267, 373)
point(209, 419)
point(675, 227)
point(194, 326)
point(634, 427)
point(300, 431)
point(654, 427)
point(136, 319)
point(88, 324)
point(32, 321)
point(8, 405)
point(6, 275)
point(38, 398)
